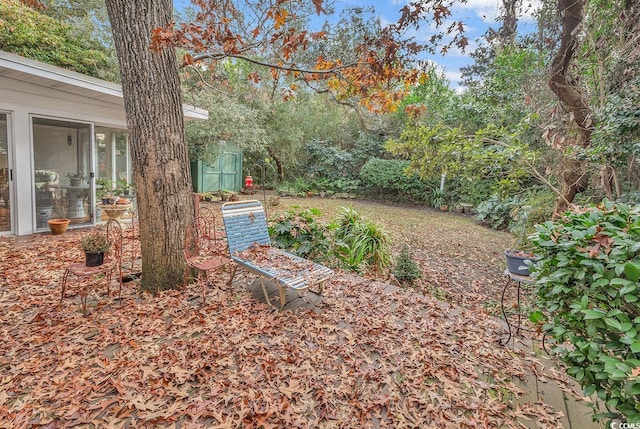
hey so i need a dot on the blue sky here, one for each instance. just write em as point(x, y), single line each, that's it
point(478, 15)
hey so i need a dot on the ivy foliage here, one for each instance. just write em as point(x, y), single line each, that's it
point(299, 232)
point(588, 287)
point(26, 32)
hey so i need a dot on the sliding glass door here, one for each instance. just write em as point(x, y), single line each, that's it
point(6, 177)
point(63, 173)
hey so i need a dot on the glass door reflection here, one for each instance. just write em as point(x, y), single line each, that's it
point(5, 176)
point(62, 176)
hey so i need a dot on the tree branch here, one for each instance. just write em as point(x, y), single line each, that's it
point(333, 70)
point(533, 170)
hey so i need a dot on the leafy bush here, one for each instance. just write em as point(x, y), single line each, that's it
point(406, 269)
point(360, 242)
point(462, 190)
point(588, 283)
point(438, 198)
point(300, 233)
point(495, 212)
point(386, 178)
point(339, 185)
point(630, 198)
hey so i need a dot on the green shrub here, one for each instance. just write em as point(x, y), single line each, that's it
point(300, 233)
point(462, 190)
point(495, 212)
point(438, 198)
point(631, 198)
point(406, 270)
point(588, 286)
point(386, 179)
point(360, 243)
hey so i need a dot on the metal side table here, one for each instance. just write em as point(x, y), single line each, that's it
point(519, 280)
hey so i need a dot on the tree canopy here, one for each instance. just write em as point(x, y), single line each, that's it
point(29, 33)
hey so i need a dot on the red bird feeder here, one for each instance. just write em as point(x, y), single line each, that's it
point(248, 184)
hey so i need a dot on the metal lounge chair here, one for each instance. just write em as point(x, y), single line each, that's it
point(245, 225)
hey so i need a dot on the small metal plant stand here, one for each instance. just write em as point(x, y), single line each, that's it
point(518, 280)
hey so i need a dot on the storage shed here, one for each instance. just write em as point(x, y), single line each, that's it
point(224, 174)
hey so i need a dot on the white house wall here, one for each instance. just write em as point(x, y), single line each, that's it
point(23, 100)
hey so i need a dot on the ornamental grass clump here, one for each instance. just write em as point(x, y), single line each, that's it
point(360, 243)
point(588, 291)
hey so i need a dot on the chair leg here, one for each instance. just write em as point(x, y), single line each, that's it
point(205, 285)
point(264, 290)
point(283, 297)
point(232, 275)
point(186, 275)
point(83, 300)
point(120, 286)
point(109, 278)
point(65, 277)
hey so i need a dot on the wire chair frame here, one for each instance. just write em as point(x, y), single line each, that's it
point(206, 251)
point(111, 264)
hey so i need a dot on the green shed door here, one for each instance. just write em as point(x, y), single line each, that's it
point(230, 171)
point(211, 177)
point(225, 173)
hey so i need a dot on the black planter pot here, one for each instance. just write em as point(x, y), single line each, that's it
point(94, 259)
point(516, 262)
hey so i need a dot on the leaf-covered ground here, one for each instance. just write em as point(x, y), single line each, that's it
point(368, 358)
point(461, 261)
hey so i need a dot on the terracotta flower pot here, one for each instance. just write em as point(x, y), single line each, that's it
point(58, 226)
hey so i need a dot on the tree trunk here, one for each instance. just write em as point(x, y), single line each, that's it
point(574, 176)
point(152, 100)
point(279, 164)
point(509, 18)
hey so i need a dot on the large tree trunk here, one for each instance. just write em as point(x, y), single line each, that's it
point(152, 100)
point(574, 175)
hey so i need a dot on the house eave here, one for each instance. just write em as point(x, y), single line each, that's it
point(26, 70)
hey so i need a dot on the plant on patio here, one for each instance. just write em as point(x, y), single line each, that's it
point(95, 242)
point(588, 285)
point(301, 233)
point(360, 242)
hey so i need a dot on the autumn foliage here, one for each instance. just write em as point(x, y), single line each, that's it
point(379, 72)
point(164, 360)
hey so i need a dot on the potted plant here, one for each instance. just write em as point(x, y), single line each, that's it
point(58, 226)
point(95, 245)
point(124, 188)
point(225, 194)
point(438, 200)
point(76, 179)
point(104, 190)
